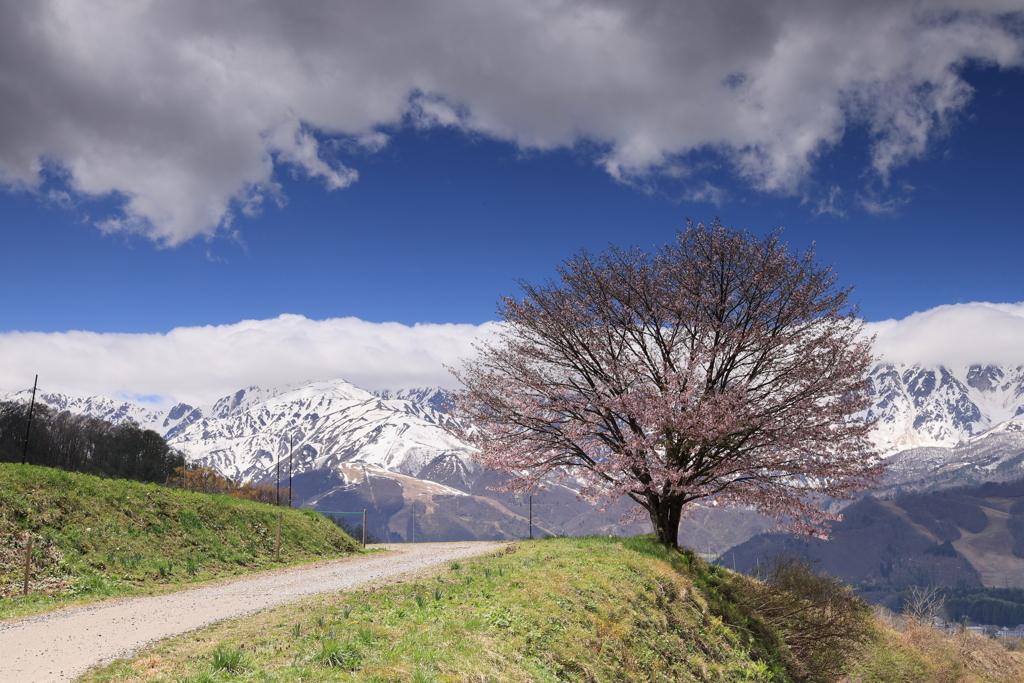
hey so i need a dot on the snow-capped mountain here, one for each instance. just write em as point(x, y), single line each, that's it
point(321, 424)
point(388, 453)
point(916, 407)
point(935, 406)
point(101, 407)
point(993, 455)
point(937, 426)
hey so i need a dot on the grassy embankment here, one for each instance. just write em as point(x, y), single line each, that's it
point(587, 609)
point(562, 609)
point(94, 538)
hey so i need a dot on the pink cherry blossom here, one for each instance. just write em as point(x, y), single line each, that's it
point(720, 368)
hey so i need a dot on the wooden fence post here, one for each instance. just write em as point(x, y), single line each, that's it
point(278, 549)
point(28, 558)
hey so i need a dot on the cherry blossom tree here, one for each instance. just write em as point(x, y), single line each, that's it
point(720, 368)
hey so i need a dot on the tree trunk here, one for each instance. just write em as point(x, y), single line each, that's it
point(665, 515)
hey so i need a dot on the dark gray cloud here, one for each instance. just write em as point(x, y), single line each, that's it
point(186, 107)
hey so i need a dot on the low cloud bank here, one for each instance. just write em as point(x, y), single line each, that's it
point(198, 365)
point(955, 335)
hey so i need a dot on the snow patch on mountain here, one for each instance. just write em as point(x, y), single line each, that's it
point(933, 416)
point(934, 406)
point(314, 425)
point(992, 456)
point(438, 399)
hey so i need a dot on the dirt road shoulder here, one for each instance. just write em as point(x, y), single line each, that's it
point(61, 645)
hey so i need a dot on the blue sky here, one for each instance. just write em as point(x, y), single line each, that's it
point(397, 197)
point(441, 223)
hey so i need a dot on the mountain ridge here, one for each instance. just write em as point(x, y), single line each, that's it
point(935, 426)
point(936, 406)
point(236, 433)
point(914, 406)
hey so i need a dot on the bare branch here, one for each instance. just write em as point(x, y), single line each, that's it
point(719, 367)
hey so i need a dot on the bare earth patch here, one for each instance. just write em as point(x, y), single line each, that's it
point(991, 552)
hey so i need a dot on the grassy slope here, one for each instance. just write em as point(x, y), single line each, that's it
point(563, 609)
point(590, 609)
point(587, 609)
point(916, 653)
point(98, 537)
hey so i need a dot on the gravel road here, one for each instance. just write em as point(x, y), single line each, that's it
point(61, 645)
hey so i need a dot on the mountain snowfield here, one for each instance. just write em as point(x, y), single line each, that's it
point(320, 424)
point(936, 406)
point(332, 421)
point(942, 427)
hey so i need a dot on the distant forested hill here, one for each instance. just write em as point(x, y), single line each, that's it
point(961, 538)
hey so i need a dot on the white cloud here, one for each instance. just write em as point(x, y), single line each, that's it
point(957, 335)
point(831, 203)
point(186, 107)
point(706, 192)
point(198, 365)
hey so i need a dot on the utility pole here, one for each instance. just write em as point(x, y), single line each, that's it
point(277, 498)
point(28, 430)
point(531, 518)
point(289, 471)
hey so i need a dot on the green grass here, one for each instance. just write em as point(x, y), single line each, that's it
point(590, 609)
point(95, 538)
point(586, 609)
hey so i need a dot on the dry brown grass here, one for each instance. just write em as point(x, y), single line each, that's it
point(965, 657)
point(911, 651)
point(208, 480)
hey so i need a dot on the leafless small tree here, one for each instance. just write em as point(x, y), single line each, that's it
point(821, 620)
point(924, 604)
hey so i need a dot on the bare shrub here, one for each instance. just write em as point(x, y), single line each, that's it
point(924, 605)
point(821, 620)
point(208, 480)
